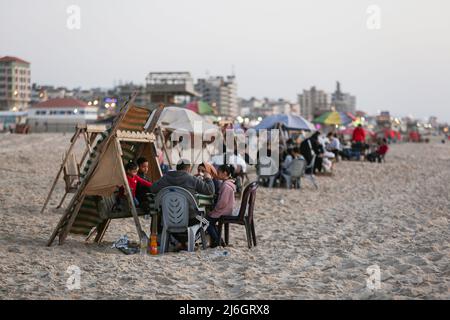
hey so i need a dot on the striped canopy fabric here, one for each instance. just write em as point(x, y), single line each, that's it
point(335, 118)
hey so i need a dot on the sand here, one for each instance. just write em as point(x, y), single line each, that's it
point(311, 244)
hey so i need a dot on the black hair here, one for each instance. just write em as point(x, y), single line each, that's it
point(202, 165)
point(296, 150)
point(227, 168)
point(330, 134)
point(183, 165)
point(131, 166)
point(141, 160)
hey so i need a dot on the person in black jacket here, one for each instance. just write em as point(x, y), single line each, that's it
point(312, 146)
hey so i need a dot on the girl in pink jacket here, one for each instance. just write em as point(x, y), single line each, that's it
point(225, 202)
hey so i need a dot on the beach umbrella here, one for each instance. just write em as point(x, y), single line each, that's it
point(176, 118)
point(289, 121)
point(335, 118)
point(200, 107)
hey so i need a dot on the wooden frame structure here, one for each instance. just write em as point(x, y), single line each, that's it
point(119, 132)
point(89, 132)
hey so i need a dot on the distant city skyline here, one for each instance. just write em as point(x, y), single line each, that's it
point(275, 48)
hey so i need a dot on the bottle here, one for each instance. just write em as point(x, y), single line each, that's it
point(153, 248)
point(143, 245)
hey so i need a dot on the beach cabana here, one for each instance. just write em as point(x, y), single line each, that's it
point(90, 210)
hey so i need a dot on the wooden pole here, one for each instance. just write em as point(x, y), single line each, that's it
point(73, 140)
point(128, 192)
point(62, 200)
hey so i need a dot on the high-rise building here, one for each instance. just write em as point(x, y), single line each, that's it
point(313, 103)
point(171, 88)
point(343, 102)
point(221, 94)
point(15, 87)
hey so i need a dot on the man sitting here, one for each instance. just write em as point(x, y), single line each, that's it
point(182, 178)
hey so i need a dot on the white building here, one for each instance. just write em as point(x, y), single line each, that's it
point(313, 102)
point(15, 88)
point(221, 94)
point(60, 115)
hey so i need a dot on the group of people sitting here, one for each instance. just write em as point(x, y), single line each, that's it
point(327, 149)
point(209, 180)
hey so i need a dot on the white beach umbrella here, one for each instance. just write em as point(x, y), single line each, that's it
point(176, 118)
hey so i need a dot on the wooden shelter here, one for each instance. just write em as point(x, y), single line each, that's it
point(91, 208)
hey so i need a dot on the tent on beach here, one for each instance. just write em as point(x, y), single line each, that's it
point(130, 137)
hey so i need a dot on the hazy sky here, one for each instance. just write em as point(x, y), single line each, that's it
point(277, 48)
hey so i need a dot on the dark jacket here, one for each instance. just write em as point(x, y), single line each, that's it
point(185, 180)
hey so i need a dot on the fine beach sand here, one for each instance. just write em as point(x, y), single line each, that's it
point(311, 244)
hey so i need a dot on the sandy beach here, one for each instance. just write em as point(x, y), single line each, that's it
point(311, 244)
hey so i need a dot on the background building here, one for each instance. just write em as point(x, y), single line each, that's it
point(221, 94)
point(170, 88)
point(313, 103)
point(343, 102)
point(15, 88)
point(60, 115)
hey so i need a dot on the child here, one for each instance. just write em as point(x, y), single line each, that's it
point(131, 169)
point(380, 152)
point(225, 202)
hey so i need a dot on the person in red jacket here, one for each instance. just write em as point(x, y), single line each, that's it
point(358, 139)
point(359, 134)
point(133, 179)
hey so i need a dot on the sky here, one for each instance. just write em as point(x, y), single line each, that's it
point(395, 58)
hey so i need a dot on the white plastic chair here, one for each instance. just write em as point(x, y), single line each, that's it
point(295, 170)
point(175, 203)
point(267, 169)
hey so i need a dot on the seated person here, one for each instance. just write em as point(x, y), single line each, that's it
point(131, 169)
point(182, 178)
point(379, 153)
point(142, 190)
point(204, 168)
point(225, 202)
point(334, 145)
point(292, 154)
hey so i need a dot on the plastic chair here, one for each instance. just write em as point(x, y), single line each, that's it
point(267, 169)
point(310, 174)
point(175, 203)
point(244, 218)
point(296, 171)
